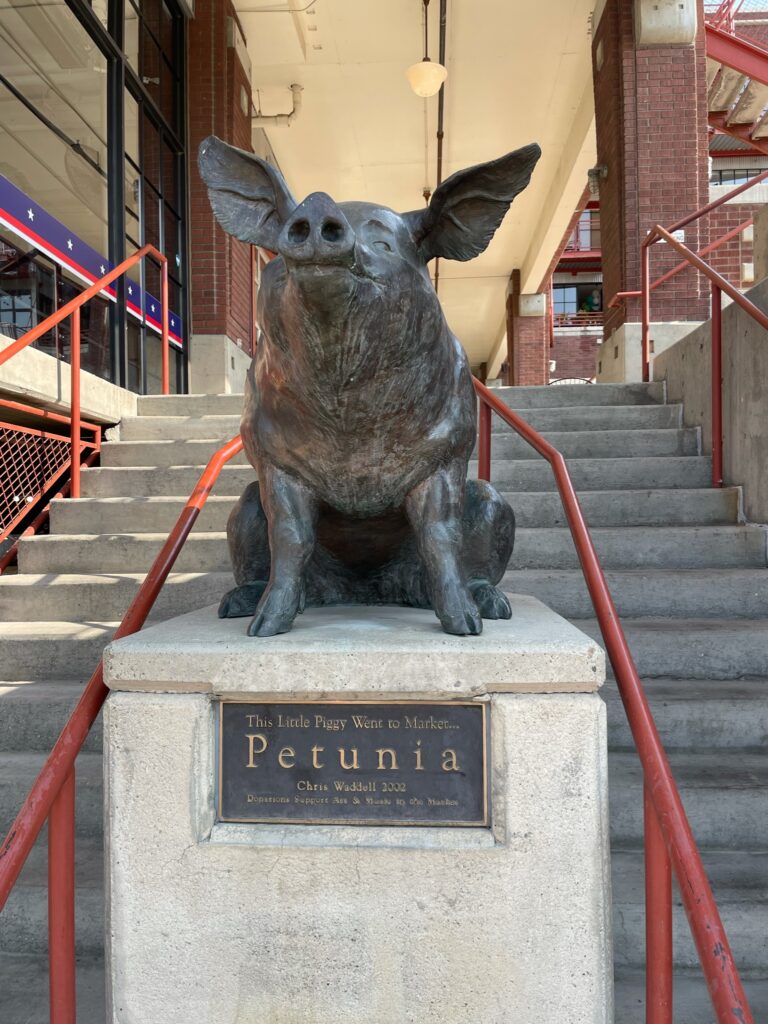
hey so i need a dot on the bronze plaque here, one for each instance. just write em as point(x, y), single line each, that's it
point(355, 763)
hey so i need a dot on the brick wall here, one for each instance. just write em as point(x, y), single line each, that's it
point(575, 355)
point(220, 265)
point(728, 258)
point(527, 341)
point(651, 120)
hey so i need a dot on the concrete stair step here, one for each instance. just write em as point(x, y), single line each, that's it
point(584, 417)
point(163, 453)
point(159, 481)
point(628, 547)
point(739, 881)
point(694, 648)
point(724, 793)
point(546, 396)
point(601, 508)
point(24, 989)
point(697, 713)
point(24, 921)
point(689, 471)
point(520, 475)
point(635, 547)
point(83, 598)
point(33, 713)
point(52, 650)
point(691, 998)
point(158, 428)
point(135, 515)
point(595, 417)
point(19, 769)
point(679, 593)
point(582, 444)
point(190, 405)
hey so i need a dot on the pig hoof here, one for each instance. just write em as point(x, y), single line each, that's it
point(277, 610)
point(462, 620)
point(491, 602)
point(241, 601)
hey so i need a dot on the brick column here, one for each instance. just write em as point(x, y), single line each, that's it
point(219, 91)
point(527, 335)
point(651, 120)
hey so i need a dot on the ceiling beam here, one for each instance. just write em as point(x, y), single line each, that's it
point(579, 153)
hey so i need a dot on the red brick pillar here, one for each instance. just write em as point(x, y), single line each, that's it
point(527, 335)
point(651, 121)
point(219, 91)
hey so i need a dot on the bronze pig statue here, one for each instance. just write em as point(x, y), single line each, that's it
point(360, 413)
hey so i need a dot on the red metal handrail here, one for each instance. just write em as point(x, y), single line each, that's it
point(669, 842)
point(72, 309)
point(719, 285)
point(684, 222)
point(52, 794)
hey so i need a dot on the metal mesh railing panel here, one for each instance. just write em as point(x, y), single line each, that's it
point(30, 461)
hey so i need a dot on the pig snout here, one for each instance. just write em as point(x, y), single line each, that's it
point(317, 232)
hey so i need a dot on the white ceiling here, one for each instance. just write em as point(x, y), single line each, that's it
point(517, 73)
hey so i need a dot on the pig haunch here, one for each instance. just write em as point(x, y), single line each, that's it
point(360, 414)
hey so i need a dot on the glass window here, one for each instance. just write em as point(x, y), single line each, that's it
point(53, 115)
point(564, 298)
point(734, 176)
point(53, 120)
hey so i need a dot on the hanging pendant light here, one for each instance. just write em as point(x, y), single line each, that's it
point(426, 77)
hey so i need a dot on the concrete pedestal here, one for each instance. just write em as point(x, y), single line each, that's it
point(216, 923)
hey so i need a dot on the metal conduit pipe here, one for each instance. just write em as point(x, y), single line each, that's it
point(272, 120)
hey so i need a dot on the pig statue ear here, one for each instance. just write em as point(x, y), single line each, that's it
point(249, 197)
point(467, 208)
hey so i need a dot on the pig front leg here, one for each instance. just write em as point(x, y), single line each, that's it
point(434, 508)
point(291, 511)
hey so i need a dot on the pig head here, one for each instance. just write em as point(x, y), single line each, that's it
point(360, 412)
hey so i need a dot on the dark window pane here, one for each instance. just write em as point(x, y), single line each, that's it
point(170, 175)
point(151, 152)
point(149, 64)
point(167, 32)
point(131, 27)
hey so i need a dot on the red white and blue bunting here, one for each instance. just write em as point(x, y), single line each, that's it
point(35, 225)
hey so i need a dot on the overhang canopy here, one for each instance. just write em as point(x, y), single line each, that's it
point(517, 73)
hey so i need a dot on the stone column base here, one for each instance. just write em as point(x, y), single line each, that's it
point(221, 923)
point(216, 365)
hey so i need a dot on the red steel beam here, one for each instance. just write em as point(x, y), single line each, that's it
point(737, 131)
point(737, 53)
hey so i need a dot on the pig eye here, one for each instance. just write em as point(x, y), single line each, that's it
point(385, 246)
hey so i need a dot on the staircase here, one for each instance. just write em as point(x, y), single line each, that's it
point(737, 84)
point(688, 578)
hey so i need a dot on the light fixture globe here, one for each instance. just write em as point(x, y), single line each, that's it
point(426, 77)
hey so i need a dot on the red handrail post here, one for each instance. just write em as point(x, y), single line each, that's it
point(645, 287)
point(74, 358)
point(166, 382)
point(484, 443)
point(61, 904)
point(658, 919)
point(717, 386)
